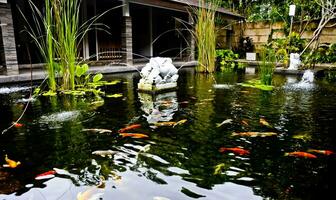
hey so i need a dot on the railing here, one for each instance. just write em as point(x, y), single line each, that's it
point(109, 53)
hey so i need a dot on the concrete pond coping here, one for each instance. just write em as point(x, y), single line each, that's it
point(40, 74)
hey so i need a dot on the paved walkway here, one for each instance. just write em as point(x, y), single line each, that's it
point(39, 74)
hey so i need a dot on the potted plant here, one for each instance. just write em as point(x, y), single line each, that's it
point(246, 48)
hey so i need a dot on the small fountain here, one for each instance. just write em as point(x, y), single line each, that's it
point(308, 77)
point(158, 75)
point(306, 82)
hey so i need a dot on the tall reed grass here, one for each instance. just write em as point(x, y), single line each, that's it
point(205, 36)
point(66, 15)
point(267, 67)
point(43, 37)
point(57, 33)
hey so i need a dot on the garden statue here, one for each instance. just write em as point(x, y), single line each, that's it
point(295, 61)
point(158, 74)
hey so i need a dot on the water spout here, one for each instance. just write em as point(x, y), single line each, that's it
point(306, 82)
point(308, 77)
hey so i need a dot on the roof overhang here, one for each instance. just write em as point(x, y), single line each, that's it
point(184, 6)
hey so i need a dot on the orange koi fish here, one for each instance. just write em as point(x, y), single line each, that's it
point(244, 122)
point(264, 122)
point(130, 127)
point(46, 175)
point(11, 163)
point(235, 150)
point(134, 135)
point(17, 125)
point(300, 154)
point(324, 152)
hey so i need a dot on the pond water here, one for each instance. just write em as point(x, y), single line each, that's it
point(174, 162)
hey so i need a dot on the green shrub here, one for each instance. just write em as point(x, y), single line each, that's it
point(226, 58)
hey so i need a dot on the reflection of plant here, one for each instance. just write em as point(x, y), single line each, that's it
point(226, 58)
point(267, 66)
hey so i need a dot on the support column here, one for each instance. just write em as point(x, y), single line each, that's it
point(86, 49)
point(126, 35)
point(191, 41)
point(8, 46)
point(126, 40)
point(151, 31)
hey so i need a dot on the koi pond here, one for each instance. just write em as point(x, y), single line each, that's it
point(209, 139)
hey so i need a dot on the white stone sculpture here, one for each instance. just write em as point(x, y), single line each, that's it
point(158, 73)
point(294, 61)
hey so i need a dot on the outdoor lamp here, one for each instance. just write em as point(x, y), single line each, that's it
point(291, 14)
point(292, 10)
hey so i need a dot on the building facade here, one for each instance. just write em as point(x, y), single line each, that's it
point(135, 31)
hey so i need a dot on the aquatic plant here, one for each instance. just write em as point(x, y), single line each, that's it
point(267, 67)
point(58, 34)
point(205, 36)
point(43, 37)
point(66, 27)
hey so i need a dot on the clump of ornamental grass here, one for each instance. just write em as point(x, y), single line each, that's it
point(205, 36)
point(267, 67)
point(58, 34)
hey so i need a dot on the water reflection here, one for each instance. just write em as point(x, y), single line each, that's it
point(181, 162)
point(158, 107)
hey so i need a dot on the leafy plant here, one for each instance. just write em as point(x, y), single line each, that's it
point(283, 47)
point(245, 45)
point(323, 54)
point(226, 58)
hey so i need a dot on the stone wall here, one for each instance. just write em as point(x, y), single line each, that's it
point(261, 32)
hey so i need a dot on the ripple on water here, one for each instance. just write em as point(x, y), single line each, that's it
point(8, 90)
point(56, 119)
point(60, 117)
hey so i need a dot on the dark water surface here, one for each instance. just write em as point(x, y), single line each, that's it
point(174, 162)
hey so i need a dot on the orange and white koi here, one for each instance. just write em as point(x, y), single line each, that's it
point(235, 150)
point(300, 154)
point(324, 152)
point(134, 135)
point(46, 175)
point(254, 134)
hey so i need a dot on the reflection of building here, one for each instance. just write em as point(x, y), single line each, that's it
point(148, 28)
point(160, 107)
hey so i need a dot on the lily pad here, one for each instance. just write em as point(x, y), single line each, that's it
point(49, 93)
point(114, 95)
point(112, 82)
point(257, 84)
